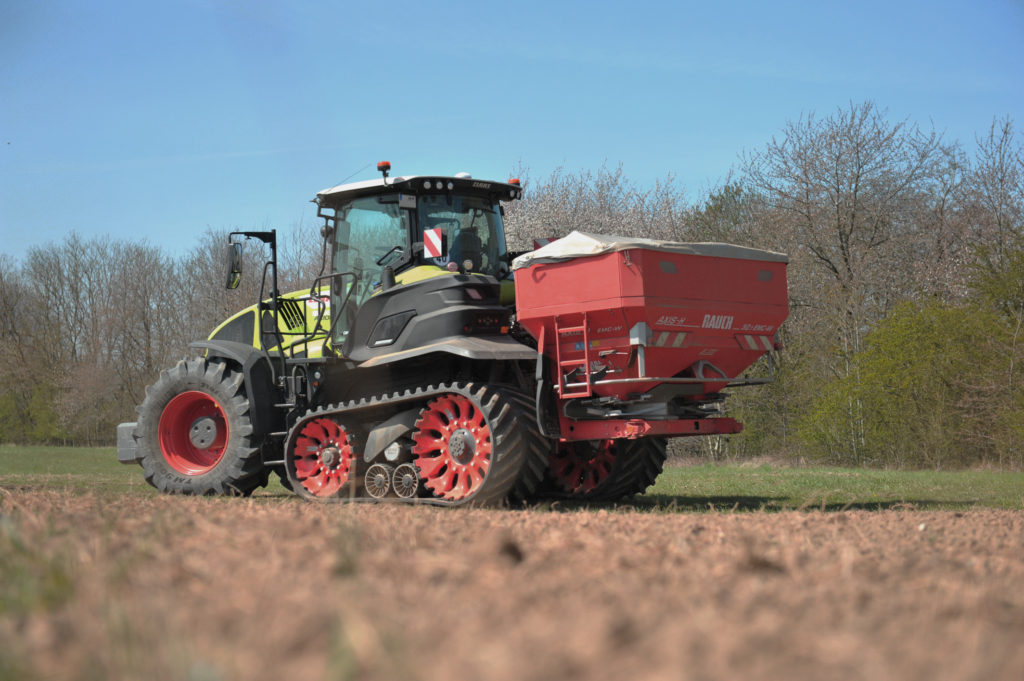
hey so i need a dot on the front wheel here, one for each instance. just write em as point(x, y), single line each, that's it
point(194, 432)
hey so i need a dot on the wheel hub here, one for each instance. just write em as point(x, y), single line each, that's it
point(203, 432)
point(192, 432)
point(462, 446)
point(329, 456)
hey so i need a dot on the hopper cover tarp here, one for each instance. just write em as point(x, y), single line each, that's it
point(581, 245)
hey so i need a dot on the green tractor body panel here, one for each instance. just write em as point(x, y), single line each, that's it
point(301, 328)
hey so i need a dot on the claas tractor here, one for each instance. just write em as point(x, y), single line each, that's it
point(426, 363)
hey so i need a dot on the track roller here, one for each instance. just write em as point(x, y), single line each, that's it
point(377, 480)
point(405, 480)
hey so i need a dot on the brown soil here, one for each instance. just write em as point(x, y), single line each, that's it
point(204, 589)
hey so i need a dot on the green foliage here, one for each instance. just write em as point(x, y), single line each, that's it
point(998, 277)
point(929, 389)
point(29, 420)
point(729, 213)
point(12, 419)
point(42, 419)
point(769, 413)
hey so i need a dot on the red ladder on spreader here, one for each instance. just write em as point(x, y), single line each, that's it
point(563, 385)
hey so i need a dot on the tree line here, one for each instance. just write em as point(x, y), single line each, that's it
point(87, 324)
point(906, 275)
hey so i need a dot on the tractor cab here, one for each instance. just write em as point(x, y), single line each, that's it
point(411, 245)
point(400, 231)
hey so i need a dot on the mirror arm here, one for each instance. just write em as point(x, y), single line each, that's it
point(267, 238)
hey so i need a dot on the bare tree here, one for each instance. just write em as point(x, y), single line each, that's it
point(605, 202)
point(993, 196)
point(854, 196)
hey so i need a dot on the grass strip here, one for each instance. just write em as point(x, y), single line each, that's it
point(774, 488)
point(693, 488)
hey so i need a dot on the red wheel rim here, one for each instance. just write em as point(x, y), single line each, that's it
point(193, 433)
point(452, 446)
point(581, 467)
point(323, 457)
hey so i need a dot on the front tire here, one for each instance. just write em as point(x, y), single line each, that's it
point(605, 470)
point(194, 432)
point(638, 463)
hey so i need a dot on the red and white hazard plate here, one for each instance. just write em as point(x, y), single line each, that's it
point(432, 242)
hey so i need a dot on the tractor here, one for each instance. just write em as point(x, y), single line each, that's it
point(426, 363)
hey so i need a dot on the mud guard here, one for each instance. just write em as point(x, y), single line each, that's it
point(383, 435)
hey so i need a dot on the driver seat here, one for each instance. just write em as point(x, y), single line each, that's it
point(468, 246)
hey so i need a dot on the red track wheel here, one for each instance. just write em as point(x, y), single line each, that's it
point(581, 467)
point(452, 447)
point(192, 433)
point(321, 458)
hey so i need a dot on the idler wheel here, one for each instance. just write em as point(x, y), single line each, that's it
point(377, 480)
point(405, 481)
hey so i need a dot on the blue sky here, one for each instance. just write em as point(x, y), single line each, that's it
point(155, 121)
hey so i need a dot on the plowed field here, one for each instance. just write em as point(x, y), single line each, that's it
point(206, 589)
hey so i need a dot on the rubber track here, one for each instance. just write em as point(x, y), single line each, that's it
point(537, 461)
point(520, 454)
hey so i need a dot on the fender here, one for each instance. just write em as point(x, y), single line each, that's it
point(259, 381)
point(395, 427)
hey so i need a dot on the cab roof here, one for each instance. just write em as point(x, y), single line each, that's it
point(418, 184)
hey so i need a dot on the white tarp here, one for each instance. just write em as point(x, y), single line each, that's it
point(582, 245)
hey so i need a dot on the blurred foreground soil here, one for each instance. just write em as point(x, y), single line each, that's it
point(208, 589)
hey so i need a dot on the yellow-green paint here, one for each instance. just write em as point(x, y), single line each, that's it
point(292, 333)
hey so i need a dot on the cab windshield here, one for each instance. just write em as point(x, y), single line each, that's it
point(373, 232)
point(366, 231)
point(473, 227)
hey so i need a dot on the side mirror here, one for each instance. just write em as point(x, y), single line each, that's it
point(233, 259)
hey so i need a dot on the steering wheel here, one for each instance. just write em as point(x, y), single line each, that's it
point(381, 259)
